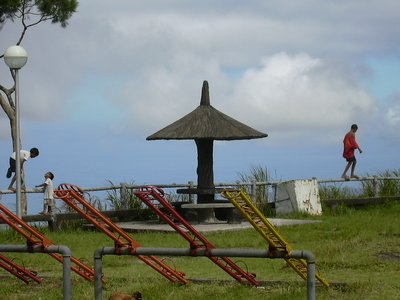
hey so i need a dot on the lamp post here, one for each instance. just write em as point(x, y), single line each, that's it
point(15, 58)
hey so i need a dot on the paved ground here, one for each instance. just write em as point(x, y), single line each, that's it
point(157, 227)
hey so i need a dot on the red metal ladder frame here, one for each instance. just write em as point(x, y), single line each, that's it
point(152, 195)
point(33, 237)
point(20, 272)
point(74, 197)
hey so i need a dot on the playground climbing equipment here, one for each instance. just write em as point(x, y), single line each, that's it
point(154, 198)
point(20, 272)
point(74, 197)
point(34, 238)
point(268, 231)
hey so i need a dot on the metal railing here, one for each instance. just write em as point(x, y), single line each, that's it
point(229, 252)
point(64, 250)
point(125, 189)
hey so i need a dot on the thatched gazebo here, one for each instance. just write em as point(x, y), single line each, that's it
point(204, 125)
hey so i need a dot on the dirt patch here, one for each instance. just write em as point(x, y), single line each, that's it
point(393, 256)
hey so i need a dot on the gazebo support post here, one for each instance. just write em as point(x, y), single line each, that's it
point(205, 170)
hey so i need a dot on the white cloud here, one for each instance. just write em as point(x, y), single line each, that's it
point(288, 97)
point(393, 115)
point(163, 50)
point(296, 70)
point(164, 93)
point(297, 95)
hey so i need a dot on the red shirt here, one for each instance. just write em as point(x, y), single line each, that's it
point(350, 144)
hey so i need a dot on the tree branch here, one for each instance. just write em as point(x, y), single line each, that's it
point(4, 90)
point(13, 75)
point(7, 107)
point(26, 12)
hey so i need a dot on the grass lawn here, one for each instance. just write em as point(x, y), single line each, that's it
point(357, 250)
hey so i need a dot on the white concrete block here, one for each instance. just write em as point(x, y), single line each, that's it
point(298, 196)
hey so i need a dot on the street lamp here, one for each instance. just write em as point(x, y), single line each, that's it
point(15, 58)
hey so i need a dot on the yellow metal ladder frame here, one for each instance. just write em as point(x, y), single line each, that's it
point(268, 231)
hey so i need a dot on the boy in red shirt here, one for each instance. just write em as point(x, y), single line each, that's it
point(350, 144)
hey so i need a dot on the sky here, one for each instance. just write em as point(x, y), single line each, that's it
point(300, 71)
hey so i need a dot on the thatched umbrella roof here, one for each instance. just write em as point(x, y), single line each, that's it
point(206, 122)
point(204, 125)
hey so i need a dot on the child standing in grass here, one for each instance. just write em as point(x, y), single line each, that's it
point(48, 198)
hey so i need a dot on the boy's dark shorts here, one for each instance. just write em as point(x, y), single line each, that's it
point(12, 164)
point(351, 159)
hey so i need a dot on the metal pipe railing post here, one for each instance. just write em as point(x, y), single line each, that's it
point(310, 259)
point(123, 193)
point(232, 252)
point(98, 271)
point(67, 280)
point(375, 186)
point(253, 190)
point(190, 183)
point(64, 250)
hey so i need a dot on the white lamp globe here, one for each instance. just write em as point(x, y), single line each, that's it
point(15, 57)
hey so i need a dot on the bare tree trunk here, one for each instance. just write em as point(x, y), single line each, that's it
point(11, 116)
point(13, 132)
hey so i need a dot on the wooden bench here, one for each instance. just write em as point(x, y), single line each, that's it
point(211, 213)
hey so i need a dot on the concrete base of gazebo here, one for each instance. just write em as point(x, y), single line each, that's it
point(209, 213)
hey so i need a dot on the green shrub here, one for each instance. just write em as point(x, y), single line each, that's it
point(337, 191)
point(258, 174)
point(127, 200)
point(383, 187)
